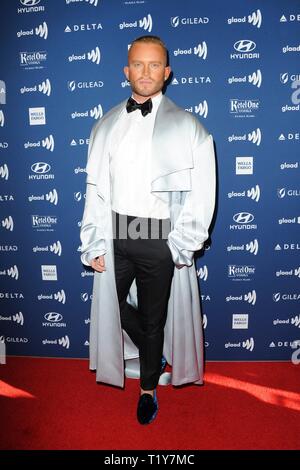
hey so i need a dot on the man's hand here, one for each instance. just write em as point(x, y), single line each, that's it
point(98, 264)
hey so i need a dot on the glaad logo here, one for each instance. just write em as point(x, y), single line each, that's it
point(8, 223)
point(51, 197)
point(296, 321)
point(255, 19)
point(251, 247)
point(47, 143)
point(2, 119)
point(17, 318)
point(89, 2)
point(254, 137)
point(244, 48)
point(60, 296)
point(2, 92)
point(291, 272)
point(94, 56)
point(178, 21)
point(253, 193)
point(200, 51)
point(201, 109)
point(64, 341)
point(289, 48)
point(248, 344)
point(44, 87)
point(202, 273)
point(250, 297)
point(255, 79)
point(56, 248)
point(96, 113)
point(41, 31)
point(4, 172)
point(13, 272)
point(204, 321)
point(145, 23)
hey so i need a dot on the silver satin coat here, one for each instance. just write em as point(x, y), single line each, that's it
point(183, 173)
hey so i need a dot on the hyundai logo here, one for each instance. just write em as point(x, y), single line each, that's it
point(243, 217)
point(53, 316)
point(30, 3)
point(244, 45)
point(40, 167)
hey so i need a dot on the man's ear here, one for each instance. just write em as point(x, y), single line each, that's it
point(167, 72)
point(126, 71)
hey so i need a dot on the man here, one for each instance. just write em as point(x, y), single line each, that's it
point(149, 203)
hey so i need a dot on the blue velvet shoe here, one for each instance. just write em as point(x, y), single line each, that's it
point(147, 408)
point(163, 364)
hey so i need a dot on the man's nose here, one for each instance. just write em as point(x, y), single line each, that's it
point(146, 70)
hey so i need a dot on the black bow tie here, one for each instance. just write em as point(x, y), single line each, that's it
point(145, 107)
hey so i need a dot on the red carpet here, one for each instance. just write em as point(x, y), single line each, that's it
point(56, 404)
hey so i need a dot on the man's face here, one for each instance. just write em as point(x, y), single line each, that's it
point(146, 70)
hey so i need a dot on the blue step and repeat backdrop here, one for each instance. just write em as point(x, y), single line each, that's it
point(236, 67)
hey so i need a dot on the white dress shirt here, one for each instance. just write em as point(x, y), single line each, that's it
point(130, 165)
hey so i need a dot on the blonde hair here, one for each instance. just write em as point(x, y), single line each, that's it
point(153, 40)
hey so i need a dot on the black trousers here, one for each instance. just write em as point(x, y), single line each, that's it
point(148, 261)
